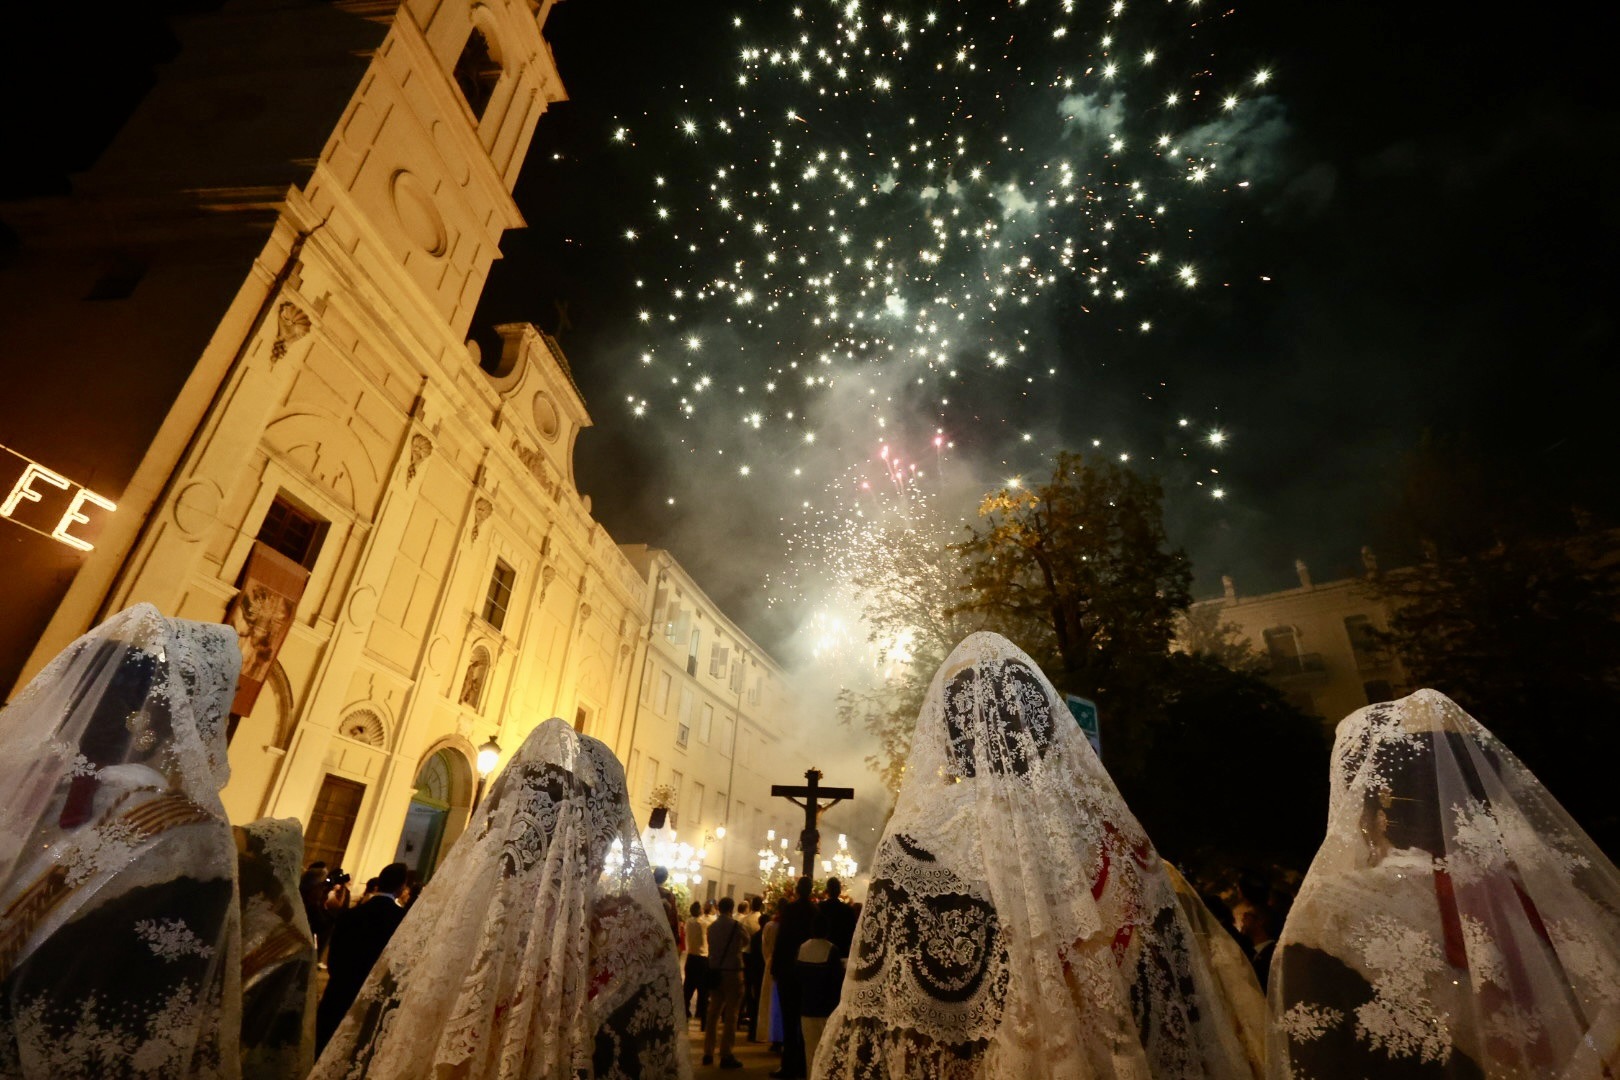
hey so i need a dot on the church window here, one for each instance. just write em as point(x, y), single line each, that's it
point(499, 597)
point(292, 531)
point(477, 70)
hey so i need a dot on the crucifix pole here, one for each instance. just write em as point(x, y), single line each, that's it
point(812, 793)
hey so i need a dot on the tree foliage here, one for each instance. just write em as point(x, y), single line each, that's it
point(1203, 631)
point(910, 589)
point(1078, 571)
point(1514, 612)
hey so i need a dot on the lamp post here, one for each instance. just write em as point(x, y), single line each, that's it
point(489, 755)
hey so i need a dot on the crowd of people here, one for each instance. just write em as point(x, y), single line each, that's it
point(1018, 921)
point(752, 964)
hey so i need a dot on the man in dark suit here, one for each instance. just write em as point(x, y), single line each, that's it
point(796, 927)
point(358, 940)
point(838, 916)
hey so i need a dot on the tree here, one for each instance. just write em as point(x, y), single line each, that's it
point(1078, 572)
point(1235, 777)
point(1515, 614)
point(1525, 636)
point(1202, 632)
point(909, 588)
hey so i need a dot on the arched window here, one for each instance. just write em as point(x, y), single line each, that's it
point(478, 68)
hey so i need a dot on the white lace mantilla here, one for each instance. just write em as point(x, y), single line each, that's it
point(539, 949)
point(1019, 922)
point(1455, 922)
point(119, 939)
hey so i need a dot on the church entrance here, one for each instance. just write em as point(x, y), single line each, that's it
point(437, 813)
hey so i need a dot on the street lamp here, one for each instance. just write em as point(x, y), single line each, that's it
point(489, 755)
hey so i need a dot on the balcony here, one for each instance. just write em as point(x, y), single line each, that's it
point(1300, 666)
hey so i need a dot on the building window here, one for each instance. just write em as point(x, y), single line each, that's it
point(1369, 651)
point(692, 652)
point(664, 682)
point(500, 594)
point(1378, 690)
point(649, 780)
point(697, 804)
point(1282, 648)
point(706, 723)
point(292, 531)
point(477, 70)
point(717, 659)
point(337, 806)
point(683, 735)
point(582, 717)
point(1281, 645)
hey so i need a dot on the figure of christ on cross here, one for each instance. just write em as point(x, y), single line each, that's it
point(812, 793)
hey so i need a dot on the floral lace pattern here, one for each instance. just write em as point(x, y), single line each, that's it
point(170, 939)
point(1455, 918)
point(539, 949)
point(118, 941)
point(1307, 1022)
point(1019, 922)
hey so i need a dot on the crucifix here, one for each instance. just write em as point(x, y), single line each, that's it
point(812, 793)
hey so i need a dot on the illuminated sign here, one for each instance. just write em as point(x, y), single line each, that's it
point(34, 484)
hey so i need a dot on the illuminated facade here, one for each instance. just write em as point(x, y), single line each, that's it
point(713, 729)
point(308, 446)
point(1318, 642)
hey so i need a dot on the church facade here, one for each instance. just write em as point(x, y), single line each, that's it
point(309, 446)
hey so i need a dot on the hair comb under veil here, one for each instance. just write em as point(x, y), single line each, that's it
point(540, 948)
point(1456, 922)
point(118, 920)
point(1019, 922)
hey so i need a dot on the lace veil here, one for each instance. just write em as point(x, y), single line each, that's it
point(278, 952)
point(540, 948)
point(1455, 922)
point(1019, 922)
point(118, 920)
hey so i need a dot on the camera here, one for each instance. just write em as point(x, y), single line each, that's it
point(337, 877)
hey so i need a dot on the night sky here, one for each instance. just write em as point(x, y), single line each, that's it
point(1426, 243)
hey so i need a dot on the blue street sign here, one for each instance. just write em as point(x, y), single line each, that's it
point(1085, 714)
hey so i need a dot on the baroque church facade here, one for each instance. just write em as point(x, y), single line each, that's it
point(296, 435)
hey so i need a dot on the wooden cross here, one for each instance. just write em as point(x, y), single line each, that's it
point(812, 793)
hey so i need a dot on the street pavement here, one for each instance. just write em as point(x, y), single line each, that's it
point(758, 1061)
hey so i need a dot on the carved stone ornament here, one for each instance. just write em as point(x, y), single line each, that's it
point(481, 511)
point(291, 325)
point(421, 447)
point(535, 462)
